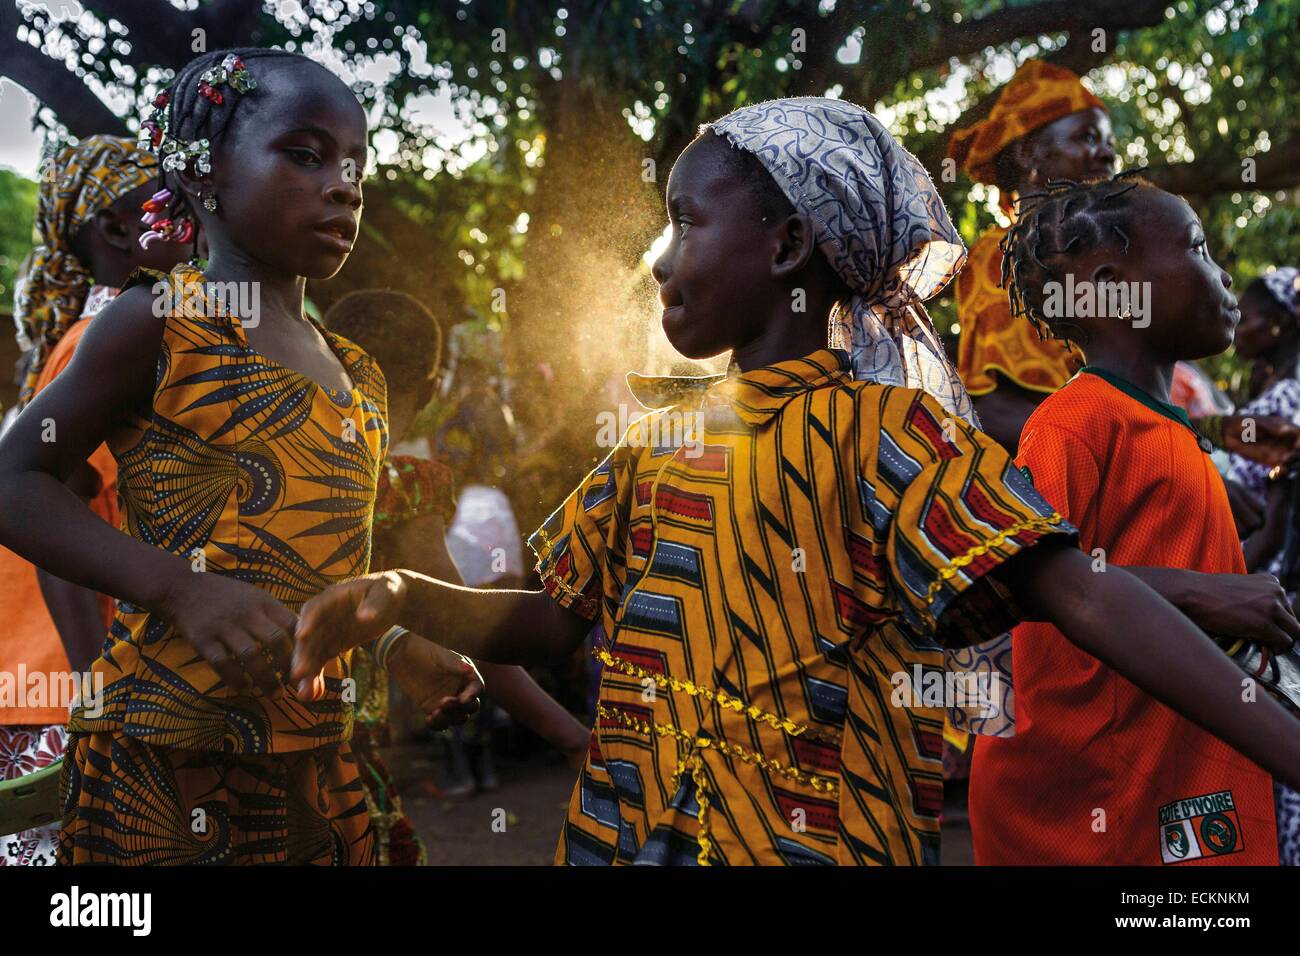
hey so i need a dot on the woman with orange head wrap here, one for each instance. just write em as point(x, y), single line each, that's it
point(1045, 125)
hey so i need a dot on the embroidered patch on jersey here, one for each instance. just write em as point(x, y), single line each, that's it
point(1198, 827)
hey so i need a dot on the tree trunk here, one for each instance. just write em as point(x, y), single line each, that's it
point(582, 308)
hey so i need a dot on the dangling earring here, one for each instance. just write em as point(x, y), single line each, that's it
point(1277, 331)
point(210, 202)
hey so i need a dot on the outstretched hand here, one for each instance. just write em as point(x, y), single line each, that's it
point(1268, 439)
point(342, 616)
point(443, 684)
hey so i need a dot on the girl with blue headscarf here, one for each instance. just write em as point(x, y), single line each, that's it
point(775, 558)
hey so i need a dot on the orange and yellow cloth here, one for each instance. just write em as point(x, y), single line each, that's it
point(773, 575)
point(249, 469)
point(993, 342)
point(1038, 94)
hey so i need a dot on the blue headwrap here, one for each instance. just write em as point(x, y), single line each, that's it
point(880, 223)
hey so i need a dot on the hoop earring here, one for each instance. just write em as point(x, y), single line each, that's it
point(210, 202)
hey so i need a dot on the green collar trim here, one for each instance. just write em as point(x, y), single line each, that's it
point(1146, 398)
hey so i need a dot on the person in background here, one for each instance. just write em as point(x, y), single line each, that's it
point(1269, 337)
point(88, 224)
point(1046, 125)
point(415, 506)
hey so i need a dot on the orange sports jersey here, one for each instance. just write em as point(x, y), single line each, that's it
point(1099, 772)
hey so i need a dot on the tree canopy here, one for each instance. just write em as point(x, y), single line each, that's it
point(532, 211)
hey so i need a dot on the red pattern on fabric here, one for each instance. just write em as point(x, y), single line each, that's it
point(28, 748)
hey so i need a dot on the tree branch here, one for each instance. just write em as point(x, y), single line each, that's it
point(75, 104)
point(1051, 16)
point(161, 35)
point(956, 40)
point(1279, 168)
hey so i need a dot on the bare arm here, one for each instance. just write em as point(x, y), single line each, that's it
point(1004, 411)
point(1252, 606)
point(421, 543)
point(44, 520)
point(1156, 648)
point(1268, 540)
point(76, 615)
point(111, 375)
point(74, 609)
point(504, 627)
point(515, 690)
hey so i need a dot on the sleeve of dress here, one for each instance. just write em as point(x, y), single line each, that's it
point(958, 508)
point(580, 547)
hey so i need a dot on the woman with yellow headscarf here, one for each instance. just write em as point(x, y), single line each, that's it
point(88, 230)
point(1045, 125)
point(88, 241)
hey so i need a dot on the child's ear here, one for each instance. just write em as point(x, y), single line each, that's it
point(193, 186)
point(1024, 152)
point(1109, 272)
point(795, 243)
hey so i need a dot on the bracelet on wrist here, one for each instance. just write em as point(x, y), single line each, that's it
point(385, 645)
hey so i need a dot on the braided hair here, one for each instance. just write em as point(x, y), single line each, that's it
point(191, 116)
point(1060, 222)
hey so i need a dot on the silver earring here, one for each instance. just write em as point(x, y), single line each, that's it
point(210, 202)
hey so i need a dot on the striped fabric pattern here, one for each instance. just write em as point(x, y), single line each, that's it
point(762, 588)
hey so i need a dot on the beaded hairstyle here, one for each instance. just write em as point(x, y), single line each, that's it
point(1062, 221)
point(187, 119)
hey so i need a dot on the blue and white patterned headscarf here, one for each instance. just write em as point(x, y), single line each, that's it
point(1283, 284)
point(881, 224)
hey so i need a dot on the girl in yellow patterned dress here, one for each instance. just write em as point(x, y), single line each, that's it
point(248, 442)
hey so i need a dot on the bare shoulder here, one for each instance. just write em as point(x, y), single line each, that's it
point(130, 325)
point(113, 367)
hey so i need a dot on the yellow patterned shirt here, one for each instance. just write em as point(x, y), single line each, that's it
point(772, 563)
